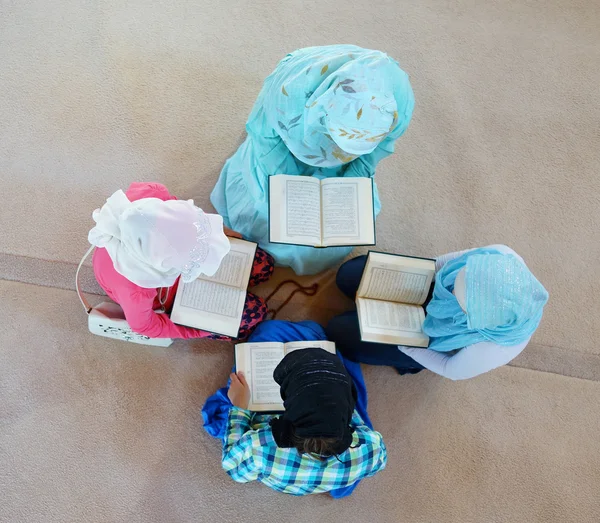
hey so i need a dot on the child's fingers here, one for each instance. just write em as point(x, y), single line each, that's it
point(242, 379)
point(233, 377)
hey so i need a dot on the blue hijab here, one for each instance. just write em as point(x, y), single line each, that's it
point(325, 111)
point(504, 301)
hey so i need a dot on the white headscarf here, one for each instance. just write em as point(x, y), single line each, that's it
point(151, 242)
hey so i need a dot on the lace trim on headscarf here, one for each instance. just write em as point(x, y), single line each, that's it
point(200, 251)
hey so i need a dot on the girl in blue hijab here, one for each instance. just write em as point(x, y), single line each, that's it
point(325, 111)
point(485, 306)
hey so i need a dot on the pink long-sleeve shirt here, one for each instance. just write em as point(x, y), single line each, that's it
point(139, 303)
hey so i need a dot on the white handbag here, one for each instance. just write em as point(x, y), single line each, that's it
point(108, 319)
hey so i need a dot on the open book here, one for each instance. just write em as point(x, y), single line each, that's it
point(216, 303)
point(321, 213)
point(257, 361)
point(390, 296)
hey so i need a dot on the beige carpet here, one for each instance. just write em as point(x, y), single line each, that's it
point(504, 147)
point(102, 431)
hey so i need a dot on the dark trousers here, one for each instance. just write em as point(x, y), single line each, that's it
point(345, 331)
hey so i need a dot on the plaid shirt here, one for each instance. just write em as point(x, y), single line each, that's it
point(250, 453)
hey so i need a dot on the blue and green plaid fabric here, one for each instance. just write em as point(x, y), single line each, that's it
point(250, 453)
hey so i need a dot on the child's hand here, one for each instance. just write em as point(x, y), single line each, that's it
point(239, 392)
point(230, 233)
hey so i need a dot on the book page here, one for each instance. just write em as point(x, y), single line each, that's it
point(388, 322)
point(291, 346)
point(295, 210)
point(347, 205)
point(209, 306)
point(396, 278)
point(265, 389)
point(393, 316)
point(208, 296)
point(258, 361)
point(236, 266)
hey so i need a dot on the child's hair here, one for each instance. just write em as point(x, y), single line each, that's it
point(317, 447)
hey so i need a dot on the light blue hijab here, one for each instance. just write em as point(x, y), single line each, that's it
point(504, 302)
point(325, 111)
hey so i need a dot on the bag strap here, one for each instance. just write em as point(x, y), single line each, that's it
point(311, 290)
point(82, 298)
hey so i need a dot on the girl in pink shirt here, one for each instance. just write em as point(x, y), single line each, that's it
point(146, 241)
